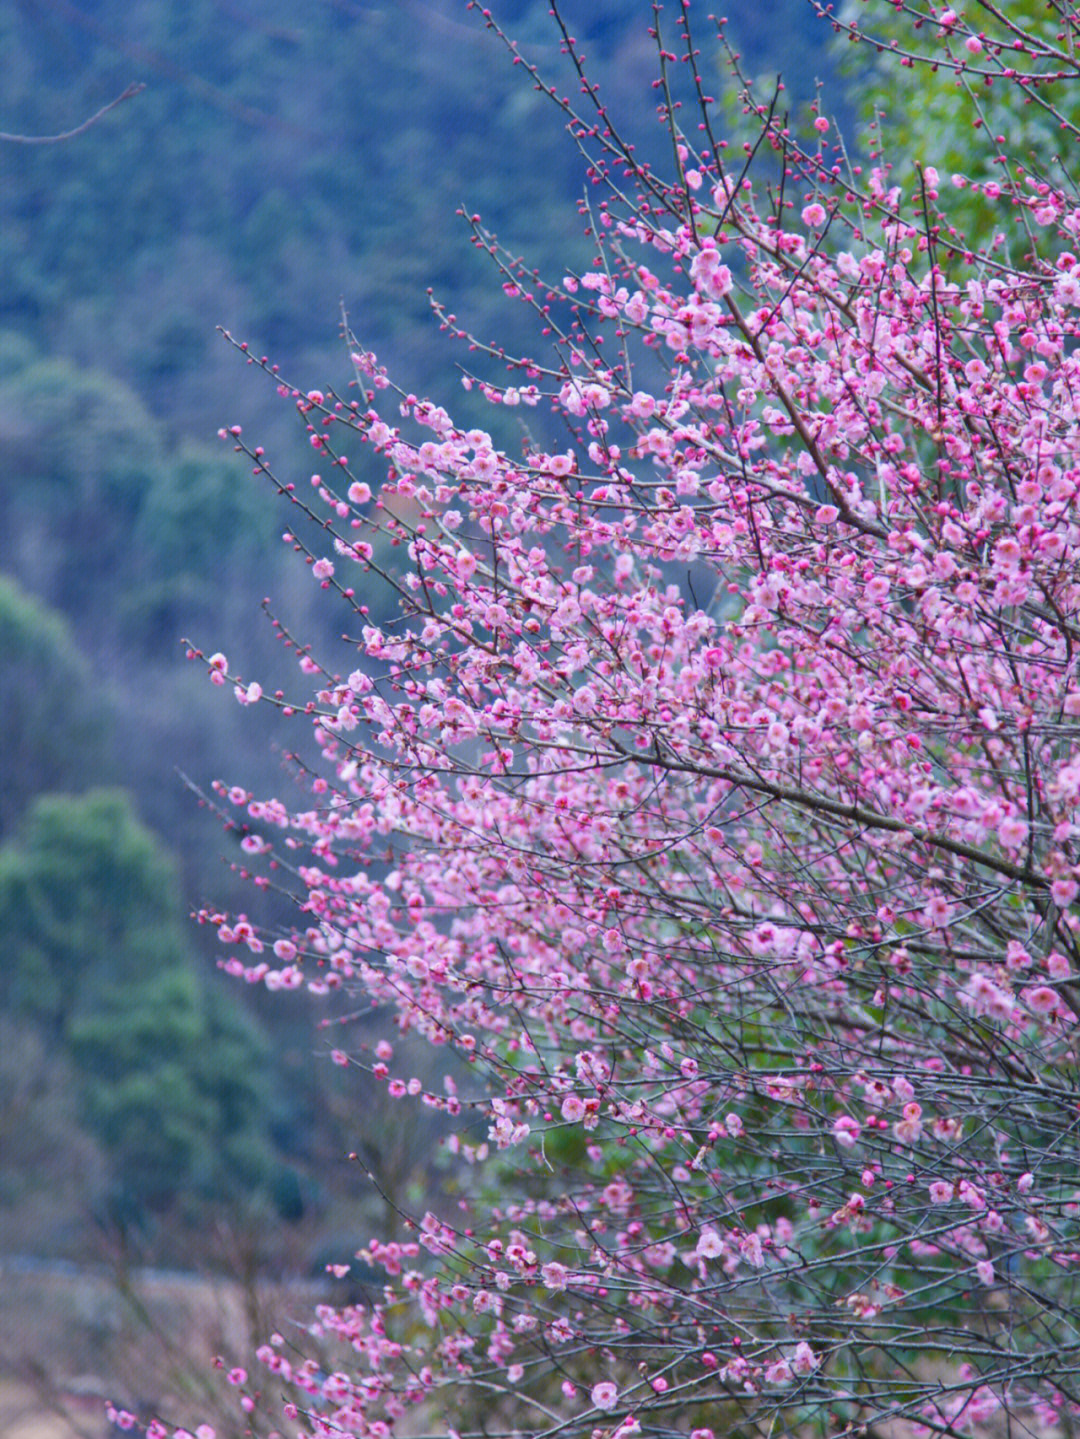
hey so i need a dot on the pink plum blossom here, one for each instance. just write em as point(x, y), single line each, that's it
point(701, 789)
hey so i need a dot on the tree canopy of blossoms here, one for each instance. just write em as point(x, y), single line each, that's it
point(714, 799)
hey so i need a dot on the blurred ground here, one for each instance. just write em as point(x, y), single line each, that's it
point(72, 1340)
point(23, 1415)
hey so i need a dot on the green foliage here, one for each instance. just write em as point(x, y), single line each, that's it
point(54, 731)
point(174, 1078)
point(87, 899)
point(927, 112)
point(79, 453)
point(83, 460)
point(203, 524)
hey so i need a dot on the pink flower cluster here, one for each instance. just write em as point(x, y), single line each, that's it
point(727, 757)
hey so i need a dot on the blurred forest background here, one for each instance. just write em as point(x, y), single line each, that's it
point(283, 160)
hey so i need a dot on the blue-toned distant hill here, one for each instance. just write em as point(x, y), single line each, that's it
point(284, 158)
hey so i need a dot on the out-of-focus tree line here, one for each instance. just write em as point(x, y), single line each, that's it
point(282, 161)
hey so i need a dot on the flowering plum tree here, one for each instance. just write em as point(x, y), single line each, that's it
point(714, 800)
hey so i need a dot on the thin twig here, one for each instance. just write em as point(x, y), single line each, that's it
point(135, 88)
